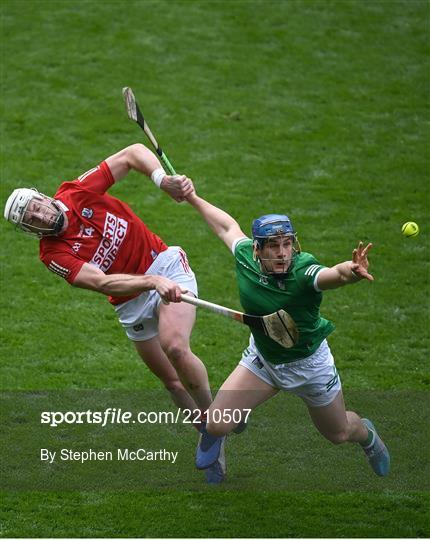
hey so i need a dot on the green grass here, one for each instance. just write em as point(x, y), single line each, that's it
point(265, 458)
point(260, 515)
point(318, 109)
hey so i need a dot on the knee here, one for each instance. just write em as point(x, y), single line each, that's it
point(177, 351)
point(339, 437)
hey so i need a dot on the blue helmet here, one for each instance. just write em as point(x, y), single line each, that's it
point(271, 225)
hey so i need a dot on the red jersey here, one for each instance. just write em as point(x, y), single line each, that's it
point(102, 231)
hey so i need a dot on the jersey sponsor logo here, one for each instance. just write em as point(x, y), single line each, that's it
point(86, 174)
point(264, 280)
point(87, 213)
point(310, 271)
point(138, 327)
point(76, 246)
point(115, 230)
point(57, 269)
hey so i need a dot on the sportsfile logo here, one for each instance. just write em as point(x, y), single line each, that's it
point(114, 233)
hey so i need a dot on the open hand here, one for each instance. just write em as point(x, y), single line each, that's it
point(360, 262)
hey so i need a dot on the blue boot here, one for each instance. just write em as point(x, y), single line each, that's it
point(215, 474)
point(208, 449)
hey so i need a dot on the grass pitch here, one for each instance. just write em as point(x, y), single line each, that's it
point(316, 109)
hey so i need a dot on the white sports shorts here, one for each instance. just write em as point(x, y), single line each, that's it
point(314, 379)
point(139, 316)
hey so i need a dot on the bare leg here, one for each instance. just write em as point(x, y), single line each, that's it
point(155, 358)
point(175, 324)
point(241, 390)
point(337, 424)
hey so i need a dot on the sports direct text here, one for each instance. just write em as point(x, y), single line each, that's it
point(114, 233)
point(112, 415)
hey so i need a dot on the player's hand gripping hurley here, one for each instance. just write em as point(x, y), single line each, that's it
point(279, 326)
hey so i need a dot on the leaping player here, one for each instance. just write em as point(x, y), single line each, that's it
point(96, 242)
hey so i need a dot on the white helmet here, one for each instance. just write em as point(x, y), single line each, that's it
point(16, 207)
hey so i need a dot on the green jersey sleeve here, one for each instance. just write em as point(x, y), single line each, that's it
point(306, 270)
point(241, 245)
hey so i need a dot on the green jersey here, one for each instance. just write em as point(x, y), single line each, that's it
point(261, 294)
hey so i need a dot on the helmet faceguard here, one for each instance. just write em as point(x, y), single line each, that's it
point(273, 227)
point(34, 212)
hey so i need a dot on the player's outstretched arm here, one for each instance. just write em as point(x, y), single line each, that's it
point(347, 272)
point(138, 157)
point(90, 277)
point(222, 224)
